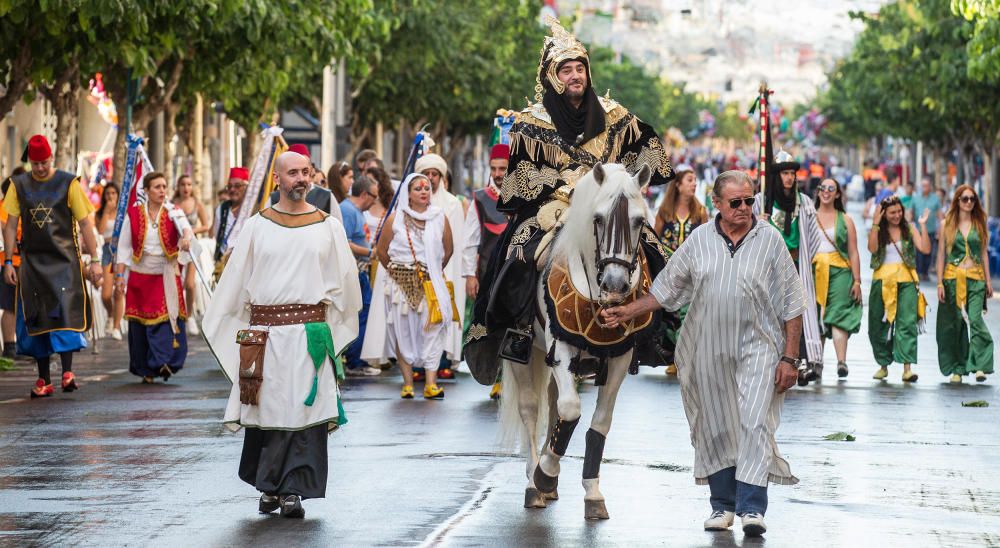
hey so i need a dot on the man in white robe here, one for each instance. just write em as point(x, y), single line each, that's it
point(436, 170)
point(736, 351)
point(293, 277)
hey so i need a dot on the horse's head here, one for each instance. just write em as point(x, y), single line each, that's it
point(605, 219)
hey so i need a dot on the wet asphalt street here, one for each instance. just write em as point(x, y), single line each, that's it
point(123, 464)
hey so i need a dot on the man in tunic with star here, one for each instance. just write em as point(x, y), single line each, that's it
point(53, 310)
point(553, 143)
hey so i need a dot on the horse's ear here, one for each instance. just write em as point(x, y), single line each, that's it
point(599, 174)
point(644, 175)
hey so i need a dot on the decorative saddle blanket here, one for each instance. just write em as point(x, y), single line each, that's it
point(574, 318)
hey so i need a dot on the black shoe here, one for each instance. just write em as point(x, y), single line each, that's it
point(268, 503)
point(166, 372)
point(842, 370)
point(291, 507)
point(811, 373)
point(803, 377)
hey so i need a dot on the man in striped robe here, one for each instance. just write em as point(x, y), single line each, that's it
point(736, 352)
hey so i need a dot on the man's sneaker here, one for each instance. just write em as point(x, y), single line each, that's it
point(69, 382)
point(369, 371)
point(882, 373)
point(407, 392)
point(109, 325)
point(192, 327)
point(291, 507)
point(268, 503)
point(842, 370)
point(720, 520)
point(42, 390)
point(753, 524)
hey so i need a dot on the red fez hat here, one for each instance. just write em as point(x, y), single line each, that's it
point(239, 173)
point(38, 149)
point(300, 149)
point(500, 151)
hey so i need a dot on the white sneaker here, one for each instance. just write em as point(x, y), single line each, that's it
point(720, 520)
point(369, 371)
point(116, 334)
point(109, 325)
point(192, 328)
point(753, 524)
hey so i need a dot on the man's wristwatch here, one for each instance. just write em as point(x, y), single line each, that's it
point(788, 360)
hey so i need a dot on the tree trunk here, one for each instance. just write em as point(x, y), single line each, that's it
point(169, 130)
point(118, 169)
point(64, 95)
point(18, 80)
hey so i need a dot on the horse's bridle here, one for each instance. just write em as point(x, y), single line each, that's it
point(618, 229)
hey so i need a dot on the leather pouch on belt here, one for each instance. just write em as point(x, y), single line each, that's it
point(252, 344)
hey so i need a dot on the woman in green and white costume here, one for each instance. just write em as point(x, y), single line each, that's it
point(963, 270)
point(895, 311)
point(837, 270)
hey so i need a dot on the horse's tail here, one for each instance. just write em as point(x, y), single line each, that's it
point(513, 433)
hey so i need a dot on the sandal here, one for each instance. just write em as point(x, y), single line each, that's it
point(910, 376)
point(42, 390)
point(69, 382)
point(407, 392)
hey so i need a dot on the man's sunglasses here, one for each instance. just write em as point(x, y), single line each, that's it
point(735, 202)
point(966, 199)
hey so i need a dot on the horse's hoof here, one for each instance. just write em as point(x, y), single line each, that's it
point(595, 509)
point(544, 482)
point(554, 495)
point(533, 498)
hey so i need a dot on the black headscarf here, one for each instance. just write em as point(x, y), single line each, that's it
point(786, 202)
point(575, 125)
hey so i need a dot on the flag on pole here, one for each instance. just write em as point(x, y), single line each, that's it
point(261, 175)
point(137, 164)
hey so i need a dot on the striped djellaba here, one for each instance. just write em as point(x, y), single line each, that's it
point(740, 294)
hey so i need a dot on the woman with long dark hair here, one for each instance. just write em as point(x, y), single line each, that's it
point(340, 178)
point(679, 214)
point(837, 271)
point(113, 304)
point(963, 271)
point(896, 307)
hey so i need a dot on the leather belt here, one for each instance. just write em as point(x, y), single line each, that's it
point(286, 314)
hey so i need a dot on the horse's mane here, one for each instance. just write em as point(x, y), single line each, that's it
point(577, 233)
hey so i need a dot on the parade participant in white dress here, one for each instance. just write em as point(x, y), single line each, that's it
point(149, 246)
point(285, 308)
point(415, 246)
point(436, 170)
point(737, 349)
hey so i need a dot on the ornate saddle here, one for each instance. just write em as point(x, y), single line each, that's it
point(574, 318)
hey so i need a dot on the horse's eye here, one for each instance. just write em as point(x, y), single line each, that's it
point(598, 220)
point(637, 222)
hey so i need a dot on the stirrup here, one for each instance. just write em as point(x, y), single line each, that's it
point(516, 345)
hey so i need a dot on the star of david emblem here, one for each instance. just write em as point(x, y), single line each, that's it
point(41, 215)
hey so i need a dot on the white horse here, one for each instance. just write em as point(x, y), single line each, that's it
point(599, 247)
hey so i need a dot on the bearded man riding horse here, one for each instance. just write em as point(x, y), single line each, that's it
point(555, 143)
